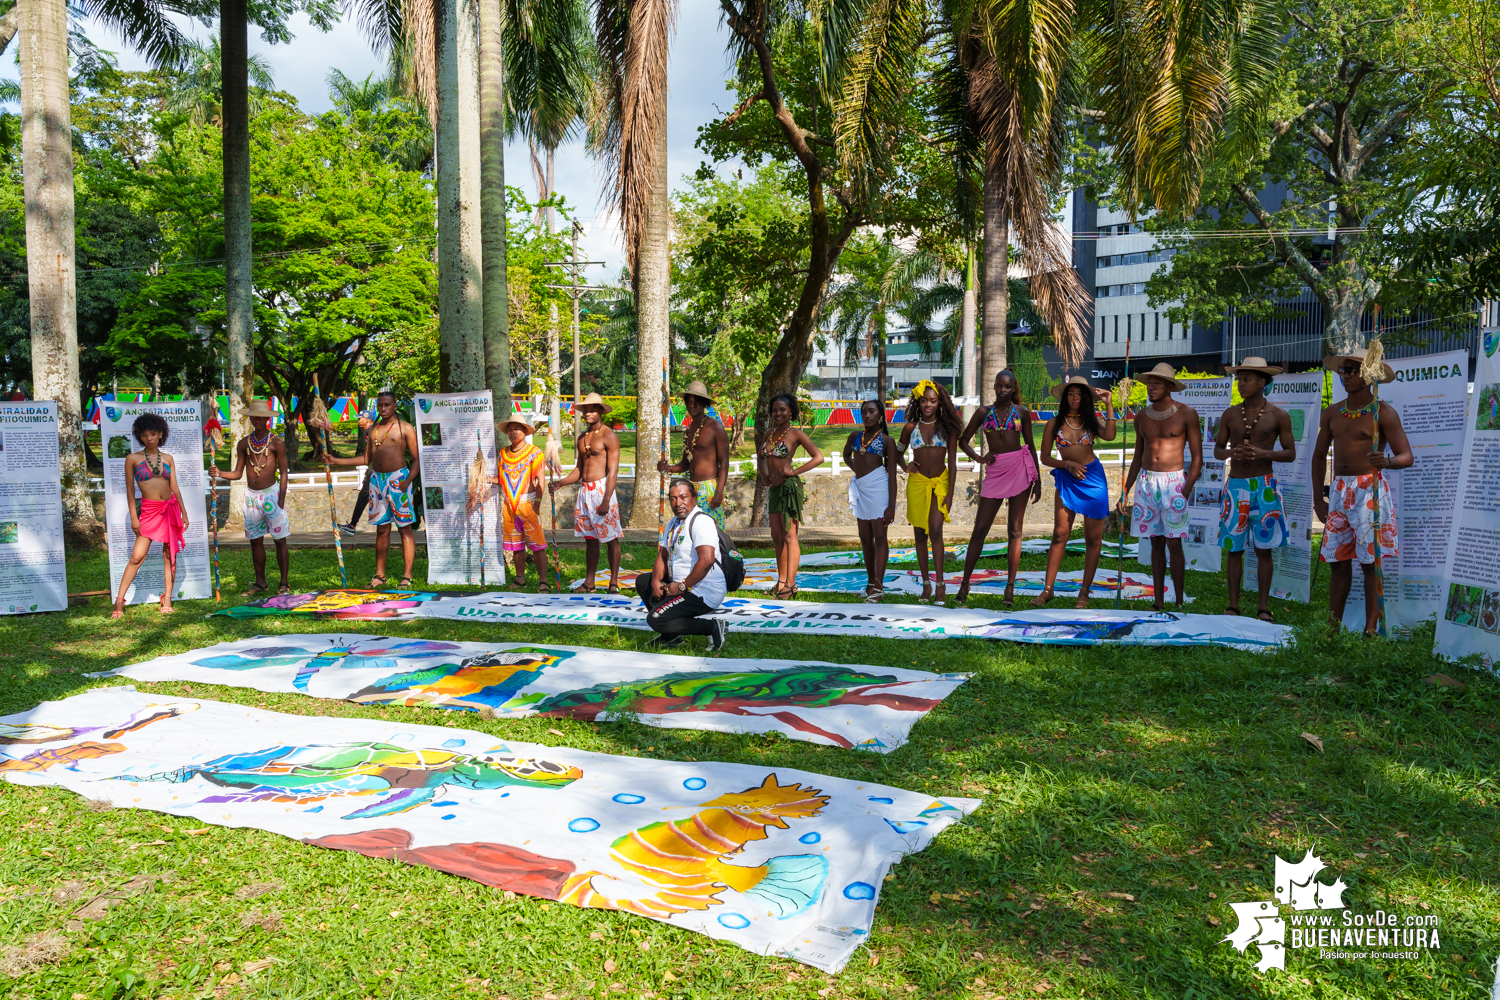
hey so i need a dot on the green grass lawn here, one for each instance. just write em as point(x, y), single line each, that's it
point(1129, 796)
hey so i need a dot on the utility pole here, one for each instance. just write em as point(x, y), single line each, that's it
point(575, 289)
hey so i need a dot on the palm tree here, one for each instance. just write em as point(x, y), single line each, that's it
point(633, 38)
point(353, 96)
point(47, 169)
point(198, 90)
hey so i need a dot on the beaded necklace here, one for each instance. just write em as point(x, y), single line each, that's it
point(1258, 414)
point(257, 449)
point(1363, 411)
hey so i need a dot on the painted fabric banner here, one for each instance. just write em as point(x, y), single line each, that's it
point(891, 621)
point(868, 708)
point(352, 605)
point(900, 557)
point(1431, 393)
point(1301, 396)
point(451, 429)
point(989, 581)
point(1210, 397)
point(185, 447)
point(777, 861)
point(33, 570)
point(1470, 622)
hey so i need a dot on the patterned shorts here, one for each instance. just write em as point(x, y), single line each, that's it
point(705, 498)
point(390, 499)
point(1252, 510)
point(264, 516)
point(589, 521)
point(1161, 508)
point(1350, 531)
point(521, 527)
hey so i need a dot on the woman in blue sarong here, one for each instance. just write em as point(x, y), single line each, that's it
point(1081, 486)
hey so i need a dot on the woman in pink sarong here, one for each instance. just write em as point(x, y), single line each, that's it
point(162, 516)
point(1011, 473)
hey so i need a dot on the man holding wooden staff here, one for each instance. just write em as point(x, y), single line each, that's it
point(261, 458)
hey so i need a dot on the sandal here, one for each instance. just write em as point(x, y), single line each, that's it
point(588, 589)
point(377, 582)
point(1232, 609)
point(404, 583)
point(1082, 604)
point(543, 588)
point(1042, 599)
point(259, 588)
point(940, 594)
point(873, 595)
point(614, 588)
point(116, 614)
point(283, 590)
point(1265, 615)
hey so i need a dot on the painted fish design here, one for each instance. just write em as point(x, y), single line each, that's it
point(487, 681)
point(680, 865)
point(402, 777)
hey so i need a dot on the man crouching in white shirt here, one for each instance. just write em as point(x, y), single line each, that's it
point(687, 581)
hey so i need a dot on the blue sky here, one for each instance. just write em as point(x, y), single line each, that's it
point(698, 70)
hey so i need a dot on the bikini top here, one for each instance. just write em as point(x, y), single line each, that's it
point(778, 450)
point(874, 447)
point(143, 473)
point(1086, 437)
point(992, 423)
point(936, 441)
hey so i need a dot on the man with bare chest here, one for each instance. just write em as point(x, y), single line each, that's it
point(1359, 519)
point(596, 511)
point(1252, 436)
point(1164, 428)
point(705, 453)
point(261, 459)
point(386, 447)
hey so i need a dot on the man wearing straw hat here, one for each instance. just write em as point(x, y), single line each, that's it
point(1359, 493)
point(1251, 436)
point(1164, 429)
point(705, 453)
point(521, 473)
point(261, 458)
point(596, 511)
point(387, 444)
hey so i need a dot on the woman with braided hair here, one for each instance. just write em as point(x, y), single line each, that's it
point(932, 430)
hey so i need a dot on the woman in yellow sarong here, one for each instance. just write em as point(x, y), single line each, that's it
point(932, 430)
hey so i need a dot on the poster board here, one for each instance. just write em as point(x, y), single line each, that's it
point(1470, 620)
point(450, 427)
point(1431, 395)
point(1301, 396)
point(33, 568)
point(185, 446)
point(1210, 397)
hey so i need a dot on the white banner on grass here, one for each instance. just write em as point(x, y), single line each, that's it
point(33, 569)
point(1470, 621)
point(1301, 396)
point(843, 705)
point(451, 428)
point(776, 860)
point(1210, 397)
point(185, 446)
point(1431, 395)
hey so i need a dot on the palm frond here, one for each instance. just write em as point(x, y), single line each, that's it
point(548, 57)
point(877, 73)
point(144, 25)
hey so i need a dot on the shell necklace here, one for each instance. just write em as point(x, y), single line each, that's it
point(1153, 413)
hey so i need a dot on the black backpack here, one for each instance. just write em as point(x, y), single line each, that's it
point(730, 562)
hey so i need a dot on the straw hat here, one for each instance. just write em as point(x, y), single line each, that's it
point(594, 399)
point(258, 408)
point(1058, 390)
point(1254, 364)
point(696, 388)
point(516, 418)
point(1336, 362)
point(1167, 374)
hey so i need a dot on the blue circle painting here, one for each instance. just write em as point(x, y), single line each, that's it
point(629, 799)
point(693, 784)
point(809, 838)
point(859, 890)
point(584, 825)
point(733, 921)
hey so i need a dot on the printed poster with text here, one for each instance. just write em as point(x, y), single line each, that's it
point(33, 571)
point(1470, 619)
point(1301, 396)
point(1431, 396)
point(184, 447)
point(451, 429)
point(1210, 397)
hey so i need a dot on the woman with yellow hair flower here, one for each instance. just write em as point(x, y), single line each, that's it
point(932, 430)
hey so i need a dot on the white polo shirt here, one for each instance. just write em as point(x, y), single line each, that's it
point(682, 552)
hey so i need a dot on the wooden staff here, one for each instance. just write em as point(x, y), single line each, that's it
point(554, 465)
point(1124, 412)
point(1372, 370)
point(666, 416)
point(321, 421)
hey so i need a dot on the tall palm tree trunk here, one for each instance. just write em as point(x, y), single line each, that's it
point(239, 304)
point(880, 353)
point(653, 287)
point(47, 160)
point(496, 315)
point(461, 329)
point(968, 319)
point(996, 286)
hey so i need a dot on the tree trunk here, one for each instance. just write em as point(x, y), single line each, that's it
point(239, 302)
point(996, 287)
point(1343, 309)
point(968, 319)
point(880, 345)
point(496, 315)
point(554, 377)
point(653, 288)
point(461, 357)
point(10, 24)
point(47, 160)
